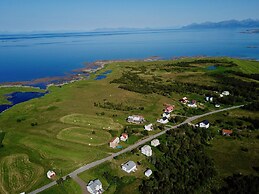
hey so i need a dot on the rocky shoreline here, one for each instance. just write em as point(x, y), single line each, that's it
point(75, 75)
point(80, 74)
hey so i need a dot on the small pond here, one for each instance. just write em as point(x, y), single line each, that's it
point(19, 97)
point(212, 67)
point(103, 75)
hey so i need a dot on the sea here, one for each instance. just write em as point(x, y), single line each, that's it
point(29, 56)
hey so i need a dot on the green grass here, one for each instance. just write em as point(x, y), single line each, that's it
point(85, 136)
point(229, 158)
point(247, 66)
point(91, 122)
point(67, 187)
point(18, 174)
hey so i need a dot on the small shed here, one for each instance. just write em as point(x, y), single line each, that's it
point(51, 174)
point(148, 173)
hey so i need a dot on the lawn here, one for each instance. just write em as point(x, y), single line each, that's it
point(247, 66)
point(67, 187)
point(91, 122)
point(85, 136)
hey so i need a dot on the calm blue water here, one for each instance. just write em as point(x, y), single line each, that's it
point(19, 97)
point(100, 77)
point(213, 67)
point(30, 56)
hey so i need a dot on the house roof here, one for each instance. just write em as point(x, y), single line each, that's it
point(129, 165)
point(148, 172)
point(169, 107)
point(227, 131)
point(113, 139)
point(148, 126)
point(155, 141)
point(125, 135)
point(206, 122)
point(146, 148)
point(95, 185)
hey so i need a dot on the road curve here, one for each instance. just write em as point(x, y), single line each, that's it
point(131, 147)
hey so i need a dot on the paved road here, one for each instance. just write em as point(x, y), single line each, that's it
point(139, 143)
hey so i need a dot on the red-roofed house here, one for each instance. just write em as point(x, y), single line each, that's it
point(169, 108)
point(227, 132)
point(114, 142)
point(124, 137)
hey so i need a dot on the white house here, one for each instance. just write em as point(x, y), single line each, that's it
point(155, 142)
point(203, 124)
point(146, 150)
point(95, 187)
point(148, 173)
point(225, 93)
point(129, 166)
point(136, 119)
point(166, 114)
point(51, 174)
point(209, 98)
point(192, 104)
point(164, 120)
point(149, 127)
point(124, 137)
point(114, 142)
point(184, 100)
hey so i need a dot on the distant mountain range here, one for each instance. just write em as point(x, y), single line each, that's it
point(248, 23)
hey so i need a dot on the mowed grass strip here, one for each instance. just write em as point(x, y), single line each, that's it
point(247, 66)
point(85, 136)
point(94, 122)
point(18, 173)
point(63, 154)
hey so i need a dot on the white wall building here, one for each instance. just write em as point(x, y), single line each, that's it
point(95, 187)
point(148, 173)
point(129, 166)
point(155, 142)
point(146, 150)
point(149, 127)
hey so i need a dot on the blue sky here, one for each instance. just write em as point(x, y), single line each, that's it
point(72, 15)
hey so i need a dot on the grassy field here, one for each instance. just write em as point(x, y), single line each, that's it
point(228, 153)
point(18, 173)
point(85, 136)
point(67, 187)
point(91, 122)
point(247, 66)
point(66, 117)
